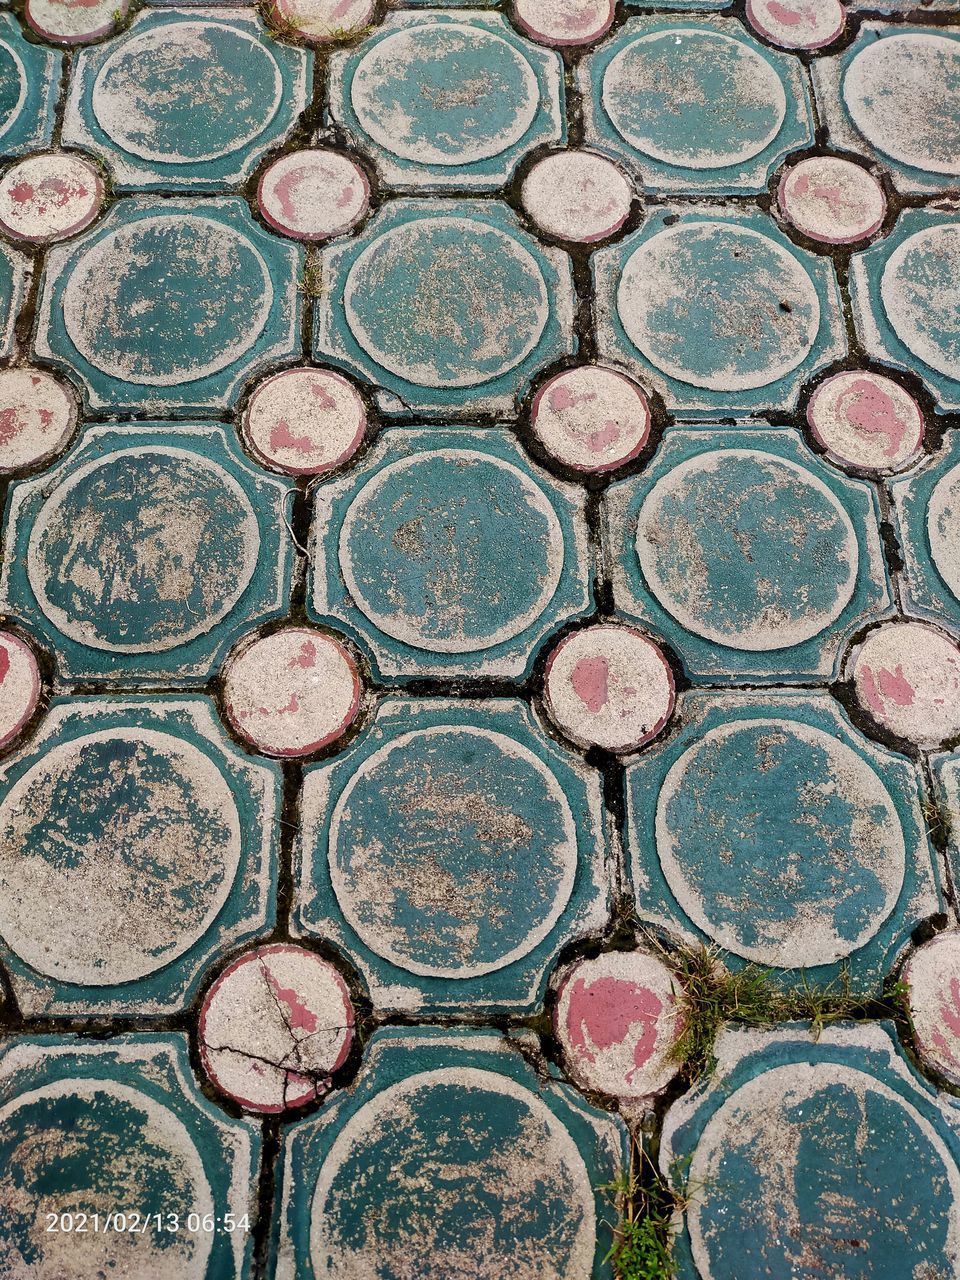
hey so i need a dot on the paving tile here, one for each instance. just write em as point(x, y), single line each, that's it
point(903, 293)
point(30, 79)
point(274, 1027)
point(695, 105)
point(169, 305)
point(19, 686)
point(185, 99)
point(617, 1019)
point(591, 419)
point(401, 836)
point(64, 22)
point(97, 1130)
point(815, 1157)
point(324, 22)
point(448, 553)
point(564, 23)
point(716, 310)
point(906, 677)
point(932, 979)
point(445, 305)
point(577, 196)
point(447, 100)
point(927, 511)
point(769, 827)
point(832, 200)
point(314, 194)
point(14, 274)
point(946, 771)
point(49, 197)
point(449, 1147)
point(866, 421)
point(797, 24)
point(38, 415)
point(304, 421)
point(103, 550)
point(868, 96)
point(137, 843)
point(750, 555)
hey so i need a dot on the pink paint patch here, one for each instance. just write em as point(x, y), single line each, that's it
point(590, 680)
point(789, 17)
point(604, 1013)
point(298, 1015)
point(895, 687)
point(870, 410)
point(281, 437)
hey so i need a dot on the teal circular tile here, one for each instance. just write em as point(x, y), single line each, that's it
point(452, 551)
point(446, 301)
point(167, 299)
point(697, 99)
point(86, 1147)
point(13, 87)
point(719, 306)
point(822, 1170)
point(747, 549)
point(445, 94)
point(142, 550)
point(918, 289)
point(943, 528)
point(453, 851)
point(451, 1174)
point(187, 92)
point(780, 842)
point(117, 852)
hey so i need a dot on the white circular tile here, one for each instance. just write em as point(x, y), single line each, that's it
point(313, 194)
point(564, 22)
point(19, 685)
point(866, 420)
point(591, 419)
point(305, 421)
point(577, 196)
point(907, 676)
point(797, 24)
point(832, 200)
point(37, 417)
point(49, 197)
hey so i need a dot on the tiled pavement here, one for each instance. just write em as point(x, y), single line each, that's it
point(482, 521)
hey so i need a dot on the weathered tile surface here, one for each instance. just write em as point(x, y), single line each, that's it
point(29, 75)
point(136, 844)
point(927, 506)
point(107, 546)
point(452, 850)
point(767, 826)
point(449, 1148)
point(114, 1162)
point(829, 1156)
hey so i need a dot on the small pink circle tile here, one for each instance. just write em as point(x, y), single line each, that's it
point(564, 22)
point(617, 1021)
point(609, 686)
point(577, 196)
point(292, 692)
point(49, 197)
point(591, 419)
point(70, 22)
point(325, 21)
point(832, 200)
point(907, 676)
point(274, 1027)
point(866, 420)
point(797, 24)
point(305, 421)
point(37, 417)
point(313, 194)
point(932, 978)
point(19, 686)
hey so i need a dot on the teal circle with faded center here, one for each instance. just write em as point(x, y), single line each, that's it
point(719, 305)
point(920, 292)
point(452, 551)
point(694, 99)
point(167, 299)
point(118, 850)
point(453, 851)
point(444, 93)
point(187, 92)
point(747, 549)
point(143, 550)
point(452, 1174)
point(96, 1147)
point(446, 301)
point(820, 1169)
point(943, 528)
point(13, 87)
point(780, 842)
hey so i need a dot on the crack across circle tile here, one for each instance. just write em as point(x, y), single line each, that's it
point(169, 305)
point(29, 84)
point(447, 99)
point(137, 844)
point(751, 556)
point(91, 1129)
point(904, 292)
point(927, 507)
point(445, 305)
point(186, 99)
point(452, 851)
point(449, 1146)
point(449, 553)
point(768, 827)
point(894, 95)
point(698, 106)
point(824, 1155)
point(715, 309)
point(103, 553)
